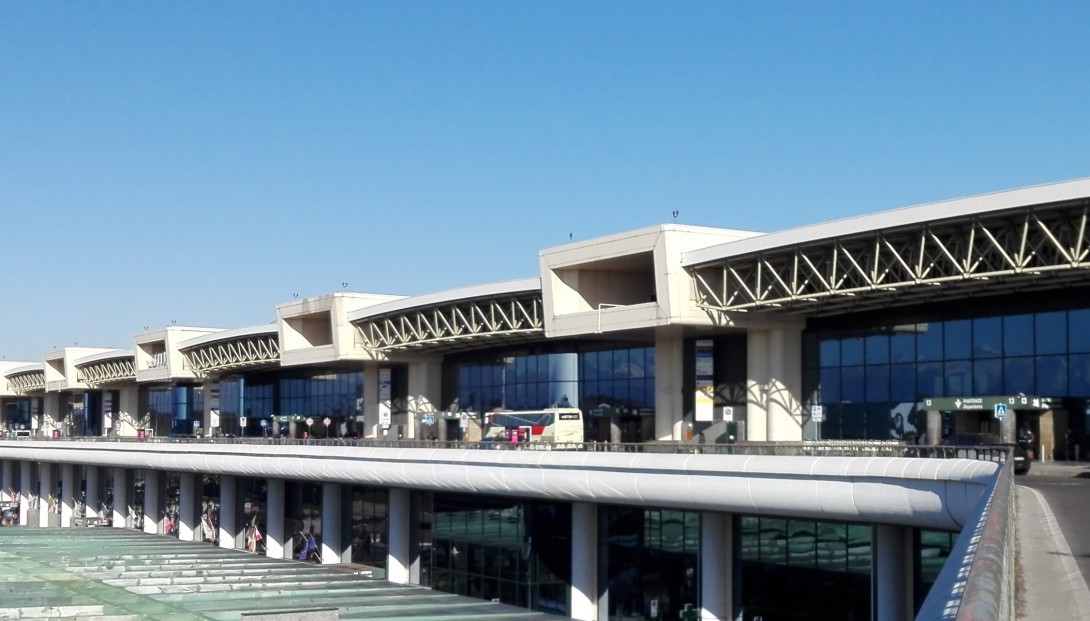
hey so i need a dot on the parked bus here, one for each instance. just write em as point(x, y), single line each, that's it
point(554, 425)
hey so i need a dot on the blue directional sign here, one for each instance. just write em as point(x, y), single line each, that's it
point(1000, 411)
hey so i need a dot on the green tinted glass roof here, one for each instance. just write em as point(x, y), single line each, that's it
point(118, 574)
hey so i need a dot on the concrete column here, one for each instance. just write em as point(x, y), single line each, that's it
point(25, 481)
point(934, 427)
point(716, 565)
point(331, 523)
point(92, 477)
point(128, 415)
point(371, 427)
point(209, 387)
point(399, 555)
point(584, 561)
point(187, 506)
point(274, 520)
point(757, 375)
point(8, 481)
point(1008, 428)
point(891, 581)
point(669, 385)
point(425, 392)
point(46, 492)
point(121, 498)
point(52, 413)
point(228, 526)
point(153, 483)
point(69, 491)
point(785, 385)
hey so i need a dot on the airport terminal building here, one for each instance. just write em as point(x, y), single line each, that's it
point(357, 418)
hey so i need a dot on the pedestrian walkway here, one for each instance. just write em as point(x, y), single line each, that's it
point(1051, 586)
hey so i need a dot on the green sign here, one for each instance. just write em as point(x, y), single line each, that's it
point(987, 404)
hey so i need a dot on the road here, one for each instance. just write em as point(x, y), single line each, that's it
point(1069, 499)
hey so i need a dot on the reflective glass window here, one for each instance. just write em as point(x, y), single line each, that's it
point(1078, 331)
point(1051, 376)
point(1018, 376)
point(988, 377)
point(851, 351)
point(958, 379)
point(877, 349)
point(987, 337)
point(851, 384)
point(930, 380)
point(830, 385)
point(1079, 375)
point(1018, 335)
point(830, 352)
point(1050, 333)
point(929, 342)
point(902, 344)
point(902, 383)
point(877, 382)
point(957, 339)
point(879, 421)
point(853, 421)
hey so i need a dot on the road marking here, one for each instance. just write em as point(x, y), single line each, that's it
point(1075, 581)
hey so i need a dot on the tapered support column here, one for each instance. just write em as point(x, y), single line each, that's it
point(331, 523)
point(371, 428)
point(785, 385)
point(399, 555)
point(425, 392)
point(669, 385)
point(8, 481)
point(92, 500)
point(26, 474)
point(584, 561)
point(46, 492)
point(274, 520)
point(716, 563)
point(756, 383)
point(228, 527)
point(891, 583)
point(187, 506)
point(121, 498)
point(69, 492)
point(153, 482)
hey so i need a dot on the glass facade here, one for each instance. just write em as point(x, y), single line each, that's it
point(369, 527)
point(932, 548)
point(254, 495)
point(279, 405)
point(514, 551)
point(652, 560)
point(617, 384)
point(172, 410)
point(870, 379)
point(303, 518)
point(825, 567)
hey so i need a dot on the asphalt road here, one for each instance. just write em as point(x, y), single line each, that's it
point(1069, 499)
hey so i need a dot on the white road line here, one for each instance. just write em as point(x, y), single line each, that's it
point(1079, 591)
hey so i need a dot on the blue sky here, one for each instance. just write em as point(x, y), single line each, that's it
point(202, 162)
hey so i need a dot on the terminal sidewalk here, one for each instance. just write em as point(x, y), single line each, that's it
point(1051, 586)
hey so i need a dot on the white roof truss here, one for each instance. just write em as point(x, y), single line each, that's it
point(455, 325)
point(253, 350)
point(1000, 252)
point(108, 371)
point(24, 383)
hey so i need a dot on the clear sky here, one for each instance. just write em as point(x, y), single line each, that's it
point(201, 162)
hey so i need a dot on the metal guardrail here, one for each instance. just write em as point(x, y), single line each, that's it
point(810, 448)
point(977, 583)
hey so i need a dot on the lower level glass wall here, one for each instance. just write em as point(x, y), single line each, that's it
point(170, 501)
point(651, 561)
point(795, 570)
point(303, 519)
point(210, 509)
point(368, 529)
point(509, 550)
point(932, 548)
point(253, 496)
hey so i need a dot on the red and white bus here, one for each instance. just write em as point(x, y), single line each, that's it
point(555, 425)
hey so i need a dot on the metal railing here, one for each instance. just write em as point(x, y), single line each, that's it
point(810, 448)
point(977, 583)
